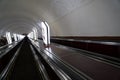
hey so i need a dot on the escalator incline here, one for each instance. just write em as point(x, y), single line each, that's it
point(25, 67)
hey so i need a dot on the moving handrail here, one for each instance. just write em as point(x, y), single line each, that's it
point(41, 67)
point(91, 41)
point(10, 56)
point(8, 45)
point(104, 58)
point(6, 71)
point(6, 48)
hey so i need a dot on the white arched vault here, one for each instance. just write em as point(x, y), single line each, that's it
point(22, 24)
point(66, 18)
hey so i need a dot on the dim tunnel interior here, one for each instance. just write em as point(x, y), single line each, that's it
point(59, 40)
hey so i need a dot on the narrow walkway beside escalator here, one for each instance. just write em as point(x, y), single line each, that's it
point(25, 67)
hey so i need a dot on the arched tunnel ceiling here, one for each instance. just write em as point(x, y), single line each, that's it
point(14, 12)
point(17, 24)
point(65, 17)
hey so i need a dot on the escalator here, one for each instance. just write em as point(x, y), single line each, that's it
point(25, 66)
point(26, 63)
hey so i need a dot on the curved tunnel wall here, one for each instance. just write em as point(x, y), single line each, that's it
point(95, 18)
point(67, 18)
